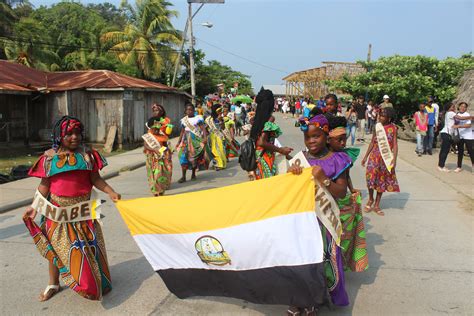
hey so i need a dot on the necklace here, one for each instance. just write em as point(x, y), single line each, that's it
point(320, 155)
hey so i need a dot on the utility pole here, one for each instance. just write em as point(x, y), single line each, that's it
point(191, 54)
point(369, 57)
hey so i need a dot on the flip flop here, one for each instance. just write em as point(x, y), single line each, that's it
point(49, 292)
point(368, 207)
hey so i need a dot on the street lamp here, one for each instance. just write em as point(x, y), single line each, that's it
point(189, 25)
point(207, 24)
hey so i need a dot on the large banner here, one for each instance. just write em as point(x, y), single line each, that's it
point(258, 241)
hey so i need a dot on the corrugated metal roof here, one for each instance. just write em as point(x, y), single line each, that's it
point(16, 77)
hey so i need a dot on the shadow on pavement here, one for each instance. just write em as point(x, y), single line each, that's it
point(398, 201)
point(127, 278)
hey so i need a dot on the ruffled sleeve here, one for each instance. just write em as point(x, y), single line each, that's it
point(98, 161)
point(272, 127)
point(353, 153)
point(342, 162)
point(38, 169)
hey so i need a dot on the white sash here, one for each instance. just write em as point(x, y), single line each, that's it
point(384, 146)
point(151, 141)
point(213, 128)
point(78, 212)
point(195, 130)
point(327, 209)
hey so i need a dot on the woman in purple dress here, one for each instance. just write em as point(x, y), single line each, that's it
point(329, 170)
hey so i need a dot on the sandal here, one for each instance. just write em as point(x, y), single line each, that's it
point(378, 211)
point(193, 178)
point(182, 180)
point(368, 206)
point(49, 292)
point(293, 311)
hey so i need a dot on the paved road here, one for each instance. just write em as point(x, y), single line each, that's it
point(421, 255)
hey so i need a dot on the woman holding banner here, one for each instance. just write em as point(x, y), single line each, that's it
point(329, 169)
point(382, 159)
point(74, 248)
point(159, 165)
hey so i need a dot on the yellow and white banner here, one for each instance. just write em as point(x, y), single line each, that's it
point(265, 247)
point(78, 212)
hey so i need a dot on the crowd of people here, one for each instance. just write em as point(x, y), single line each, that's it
point(207, 139)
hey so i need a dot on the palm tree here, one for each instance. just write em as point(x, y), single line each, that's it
point(147, 41)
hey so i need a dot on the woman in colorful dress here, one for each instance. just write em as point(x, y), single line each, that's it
point(264, 132)
point(215, 125)
point(159, 165)
point(378, 176)
point(329, 169)
point(192, 144)
point(232, 145)
point(75, 250)
point(353, 243)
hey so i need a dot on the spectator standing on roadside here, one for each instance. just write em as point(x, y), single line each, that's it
point(436, 107)
point(464, 124)
point(370, 117)
point(386, 102)
point(298, 107)
point(360, 108)
point(421, 123)
point(321, 104)
point(428, 141)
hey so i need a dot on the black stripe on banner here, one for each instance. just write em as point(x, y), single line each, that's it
point(300, 286)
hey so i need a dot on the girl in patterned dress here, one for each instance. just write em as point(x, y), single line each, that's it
point(159, 165)
point(264, 132)
point(75, 250)
point(192, 144)
point(378, 177)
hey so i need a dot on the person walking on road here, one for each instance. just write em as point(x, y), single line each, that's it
point(360, 108)
point(159, 162)
point(466, 135)
point(447, 134)
point(421, 124)
point(265, 132)
point(75, 249)
point(215, 124)
point(379, 177)
point(432, 124)
point(192, 144)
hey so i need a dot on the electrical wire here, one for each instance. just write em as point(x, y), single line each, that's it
point(243, 58)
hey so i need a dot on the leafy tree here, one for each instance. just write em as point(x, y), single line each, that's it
point(408, 80)
point(209, 75)
point(147, 41)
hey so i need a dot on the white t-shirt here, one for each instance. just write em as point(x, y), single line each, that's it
point(448, 122)
point(238, 110)
point(304, 105)
point(465, 133)
point(436, 106)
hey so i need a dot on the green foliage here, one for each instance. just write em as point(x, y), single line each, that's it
point(408, 80)
point(209, 75)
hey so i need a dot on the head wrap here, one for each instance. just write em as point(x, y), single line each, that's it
point(320, 121)
point(69, 125)
point(338, 131)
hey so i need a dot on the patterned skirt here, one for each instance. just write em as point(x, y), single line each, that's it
point(230, 151)
point(76, 249)
point(217, 145)
point(266, 166)
point(192, 155)
point(353, 244)
point(159, 172)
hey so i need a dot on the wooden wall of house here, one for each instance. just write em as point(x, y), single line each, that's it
point(12, 109)
point(105, 110)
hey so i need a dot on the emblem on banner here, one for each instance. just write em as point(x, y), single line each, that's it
point(210, 251)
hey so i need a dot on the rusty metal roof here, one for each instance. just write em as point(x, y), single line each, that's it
point(16, 77)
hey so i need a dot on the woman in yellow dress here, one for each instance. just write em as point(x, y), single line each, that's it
point(215, 125)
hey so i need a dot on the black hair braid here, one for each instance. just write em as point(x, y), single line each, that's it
point(265, 104)
point(56, 132)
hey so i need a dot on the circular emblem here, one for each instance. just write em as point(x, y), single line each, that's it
point(210, 251)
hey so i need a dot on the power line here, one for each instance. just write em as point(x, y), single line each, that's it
point(241, 57)
point(77, 47)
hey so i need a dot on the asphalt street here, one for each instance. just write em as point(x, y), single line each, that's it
point(420, 254)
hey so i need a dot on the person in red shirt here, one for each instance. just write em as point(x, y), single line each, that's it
point(298, 107)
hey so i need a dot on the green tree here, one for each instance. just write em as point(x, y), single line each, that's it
point(147, 42)
point(209, 75)
point(408, 80)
